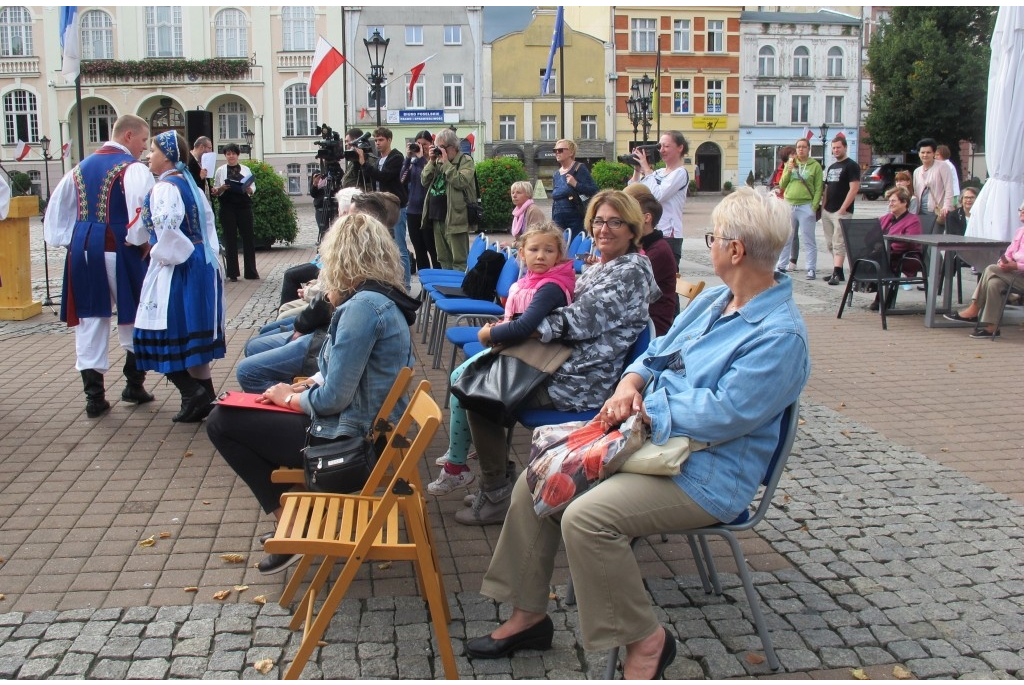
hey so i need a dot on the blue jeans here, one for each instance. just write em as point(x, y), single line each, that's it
point(803, 223)
point(271, 359)
point(403, 249)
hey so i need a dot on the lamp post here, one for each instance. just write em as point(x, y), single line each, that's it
point(633, 108)
point(824, 136)
point(44, 143)
point(644, 87)
point(376, 50)
point(249, 138)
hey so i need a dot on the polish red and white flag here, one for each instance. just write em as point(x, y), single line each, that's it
point(21, 150)
point(65, 150)
point(326, 61)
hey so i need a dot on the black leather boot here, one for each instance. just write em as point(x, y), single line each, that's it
point(194, 397)
point(207, 384)
point(95, 400)
point(134, 391)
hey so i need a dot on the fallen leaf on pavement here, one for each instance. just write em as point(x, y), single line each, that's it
point(755, 658)
point(321, 643)
point(859, 674)
point(148, 542)
point(233, 558)
point(206, 501)
point(801, 422)
point(259, 599)
point(384, 566)
point(842, 404)
point(552, 595)
point(264, 665)
point(943, 449)
point(900, 673)
point(188, 453)
point(164, 536)
point(241, 588)
point(2, 597)
point(221, 594)
point(191, 588)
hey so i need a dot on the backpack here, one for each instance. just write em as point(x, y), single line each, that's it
point(481, 282)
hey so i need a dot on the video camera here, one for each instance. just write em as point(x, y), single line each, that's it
point(364, 143)
point(653, 152)
point(331, 147)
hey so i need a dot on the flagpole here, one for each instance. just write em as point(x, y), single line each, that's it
point(561, 79)
point(78, 111)
point(60, 130)
point(657, 91)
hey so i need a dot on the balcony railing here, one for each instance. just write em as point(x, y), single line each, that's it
point(294, 61)
point(19, 66)
point(253, 75)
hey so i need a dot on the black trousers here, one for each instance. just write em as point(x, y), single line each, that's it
point(236, 220)
point(422, 242)
point(293, 279)
point(254, 443)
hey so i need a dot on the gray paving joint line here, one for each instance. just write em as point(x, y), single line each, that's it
point(897, 559)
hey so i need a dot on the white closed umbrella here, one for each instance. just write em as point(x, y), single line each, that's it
point(995, 212)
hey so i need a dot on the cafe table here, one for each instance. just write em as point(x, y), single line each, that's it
point(978, 248)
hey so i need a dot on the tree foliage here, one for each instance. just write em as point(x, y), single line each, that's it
point(273, 213)
point(929, 70)
point(612, 175)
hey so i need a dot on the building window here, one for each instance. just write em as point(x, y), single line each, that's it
point(552, 88)
point(101, 123)
point(371, 101)
point(453, 35)
point(833, 109)
point(370, 30)
point(300, 114)
point(801, 62)
point(766, 61)
point(15, 32)
point(311, 168)
point(232, 34)
point(716, 35)
point(36, 179)
point(21, 118)
point(715, 99)
point(644, 38)
point(766, 109)
point(588, 127)
point(507, 127)
point(414, 35)
point(294, 173)
point(419, 92)
point(163, 31)
point(453, 91)
point(548, 127)
point(681, 96)
point(297, 24)
point(681, 35)
point(233, 120)
point(801, 109)
point(97, 35)
point(165, 119)
point(835, 62)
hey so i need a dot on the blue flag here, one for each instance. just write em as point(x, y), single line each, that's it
point(557, 41)
point(69, 41)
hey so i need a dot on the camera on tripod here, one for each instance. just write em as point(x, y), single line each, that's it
point(364, 143)
point(331, 147)
point(653, 152)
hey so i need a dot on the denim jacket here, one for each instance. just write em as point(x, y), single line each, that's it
point(368, 342)
point(726, 380)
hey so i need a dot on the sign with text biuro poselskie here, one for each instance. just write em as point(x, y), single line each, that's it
point(421, 116)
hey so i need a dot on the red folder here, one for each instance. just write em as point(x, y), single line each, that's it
point(249, 400)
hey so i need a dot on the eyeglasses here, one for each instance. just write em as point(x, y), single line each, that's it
point(613, 224)
point(711, 237)
point(559, 150)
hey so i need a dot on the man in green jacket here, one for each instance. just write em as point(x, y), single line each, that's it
point(801, 185)
point(450, 179)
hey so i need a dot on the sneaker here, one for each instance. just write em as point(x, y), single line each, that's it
point(810, 274)
point(488, 508)
point(275, 563)
point(446, 482)
point(834, 279)
point(982, 334)
point(443, 459)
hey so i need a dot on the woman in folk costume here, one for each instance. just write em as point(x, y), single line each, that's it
point(179, 328)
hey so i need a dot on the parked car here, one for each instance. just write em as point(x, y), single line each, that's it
point(878, 178)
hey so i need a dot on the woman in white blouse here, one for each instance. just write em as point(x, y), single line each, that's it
point(669, 186)
point(233, 186)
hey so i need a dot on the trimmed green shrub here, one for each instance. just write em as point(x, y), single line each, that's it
point(273, 213)
point(495, 177)
point(21, 183)
point(612, 175)
point(693, 187)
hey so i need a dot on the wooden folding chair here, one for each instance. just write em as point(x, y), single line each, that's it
point(380, 428)
point(688, 290)
point(390, 525)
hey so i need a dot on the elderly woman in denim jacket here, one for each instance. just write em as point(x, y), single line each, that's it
point(368, 343)
point(724, 373)
point(602, 323)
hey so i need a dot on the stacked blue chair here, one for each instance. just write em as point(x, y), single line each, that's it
point(433, 277)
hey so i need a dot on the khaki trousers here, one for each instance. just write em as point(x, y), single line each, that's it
point(614, 608)
point(991, 291)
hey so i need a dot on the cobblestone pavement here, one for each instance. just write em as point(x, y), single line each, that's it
point(876, 554)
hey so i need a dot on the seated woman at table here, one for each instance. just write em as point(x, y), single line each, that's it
point(903, 257)
point(732, 362)
point(987, 302)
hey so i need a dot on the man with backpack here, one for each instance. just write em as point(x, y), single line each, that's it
point(450, 179)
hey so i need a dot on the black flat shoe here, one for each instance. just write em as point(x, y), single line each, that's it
point(275, 563)
point(534, 637)
point(266, 536)
point(668, 655)
point(955, 316)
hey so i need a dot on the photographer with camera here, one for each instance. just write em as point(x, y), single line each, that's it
point(668, 185)
point(385, 173)
point(422, 240)
point(353, 177)
point(450, 179)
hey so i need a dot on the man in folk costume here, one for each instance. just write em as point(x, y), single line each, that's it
point(94, 212)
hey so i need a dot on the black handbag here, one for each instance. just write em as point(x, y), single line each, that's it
point(474, 209)
point(340, 466)
point(495, 385)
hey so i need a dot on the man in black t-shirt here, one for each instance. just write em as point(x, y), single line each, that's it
point(842, 183)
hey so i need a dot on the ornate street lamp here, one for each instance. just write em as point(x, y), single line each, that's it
point(249, 138)
point(44, 143)
point(824, 137)
point(641, 90)
point(376, 50)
